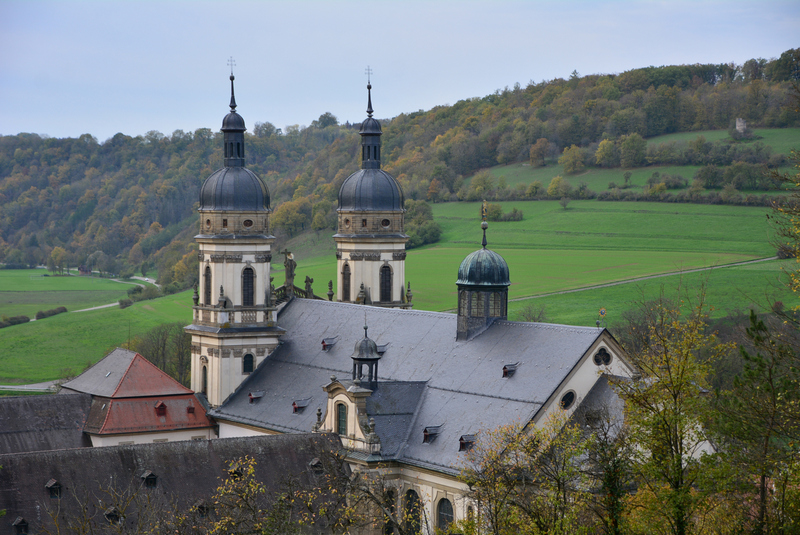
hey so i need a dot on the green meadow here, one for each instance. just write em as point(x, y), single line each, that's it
point(550, 250)
point(553, 249)
point(782, 140)
point(728, 291)
point(27, 291)
point(65, 344)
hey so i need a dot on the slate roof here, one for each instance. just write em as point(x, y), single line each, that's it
point(455, 384)
point(47, 422)
point(124, 373)
point(186, 471)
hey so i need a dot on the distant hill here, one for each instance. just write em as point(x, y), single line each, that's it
point(131, 201)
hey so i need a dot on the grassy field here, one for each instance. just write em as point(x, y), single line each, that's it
point(65, 344)
point(27, 291)
point(729, 290)
point(554, 249)
point(550, 250)
point(782, 140)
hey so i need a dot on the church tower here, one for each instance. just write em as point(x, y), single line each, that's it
point(370, 242)
point(483, 283)
point(233, 327)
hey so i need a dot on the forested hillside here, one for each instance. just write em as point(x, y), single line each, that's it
point(130, 202)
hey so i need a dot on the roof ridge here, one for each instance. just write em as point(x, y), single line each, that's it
point(138, 357)
point(119, 384)
point(410, 312)
point(105, 418)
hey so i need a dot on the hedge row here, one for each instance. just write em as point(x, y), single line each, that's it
point(14, 320)
point(52, 312)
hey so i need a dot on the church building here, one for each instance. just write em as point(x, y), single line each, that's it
point(405, 390)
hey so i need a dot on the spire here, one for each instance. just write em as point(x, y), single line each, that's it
point(232, 64)
point(370, 133)
point(368, 72)
point(484, 224)
point(233, 98)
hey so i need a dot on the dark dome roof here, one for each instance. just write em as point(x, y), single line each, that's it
point(233, 121)
point(370, 126)
point(365, 349)
point(234, 189)
point(370, 190)
point(484, 267)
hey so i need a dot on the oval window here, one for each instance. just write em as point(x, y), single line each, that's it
point(208, 222)
point(385, 223)
point(567, 400)
point(247, 223)
point(346, 222)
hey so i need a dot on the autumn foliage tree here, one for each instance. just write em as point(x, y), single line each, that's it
point(667, 407)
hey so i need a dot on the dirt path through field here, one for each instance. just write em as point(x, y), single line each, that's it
point(637, 279)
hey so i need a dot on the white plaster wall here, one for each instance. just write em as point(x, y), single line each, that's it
point(231, 430)
point(149, 438)
point(229, 274)
point(368, 271)
point(582, 379)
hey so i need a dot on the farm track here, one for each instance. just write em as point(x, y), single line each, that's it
point(649, 277)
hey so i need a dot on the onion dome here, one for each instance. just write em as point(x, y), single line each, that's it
point(233, 122)
point(366, 348)
point(370, 125)
point(370, 188)
point(365, 355)
point(484, 267)
point(234, 187)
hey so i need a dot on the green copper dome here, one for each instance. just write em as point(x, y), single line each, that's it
point(484, 267)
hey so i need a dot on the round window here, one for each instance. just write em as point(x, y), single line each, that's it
point(247, 223)
point(567, 400)
point(385, 223)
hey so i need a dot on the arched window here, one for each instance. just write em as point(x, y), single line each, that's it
point(391, 500)
point(207, 287)
point(386, 284)
point(412, 512)
point(346, 283)
point(247, 363)
point(204, 386)
point(444, 514)
point(247, 287)
point(341, 419)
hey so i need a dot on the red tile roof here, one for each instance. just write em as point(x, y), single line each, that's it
point(143, 378)
point(139, 415)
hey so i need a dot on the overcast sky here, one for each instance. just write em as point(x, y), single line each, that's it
point(74, 67)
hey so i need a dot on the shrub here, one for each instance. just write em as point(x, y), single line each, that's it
point(13, 320)
point(125, 303)
point(48, 313)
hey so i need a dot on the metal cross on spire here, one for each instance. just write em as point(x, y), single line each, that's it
point(368, 72)
point(231, 64)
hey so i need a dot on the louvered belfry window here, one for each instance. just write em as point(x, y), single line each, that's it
point(207, 287)
point(346, 283)
point(247, 287)
point(386, 284)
